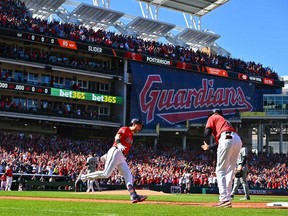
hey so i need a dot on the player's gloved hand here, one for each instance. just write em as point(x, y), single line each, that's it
point(120, 147)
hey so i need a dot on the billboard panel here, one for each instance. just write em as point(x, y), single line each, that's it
point(173, 96)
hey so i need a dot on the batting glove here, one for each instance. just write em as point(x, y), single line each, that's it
point(120, 147)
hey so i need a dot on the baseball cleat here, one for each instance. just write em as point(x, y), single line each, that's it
point(138, 198)
point(245, 198)
point(224, 204)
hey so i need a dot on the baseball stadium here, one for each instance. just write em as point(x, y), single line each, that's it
point(73, 74)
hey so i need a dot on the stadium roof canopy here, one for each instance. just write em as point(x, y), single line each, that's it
point(43, 8)
point(192, 36)
point(93, 16)
point(147, 26)
point(195, 7)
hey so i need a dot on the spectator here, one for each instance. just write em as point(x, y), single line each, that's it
point(3, 181)
point(9, 177)
point(16, 16)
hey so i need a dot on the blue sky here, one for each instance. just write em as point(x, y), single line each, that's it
point(251, 30)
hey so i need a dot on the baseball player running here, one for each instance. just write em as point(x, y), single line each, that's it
point(115, 158)
point(229, 145)
point(242, 165)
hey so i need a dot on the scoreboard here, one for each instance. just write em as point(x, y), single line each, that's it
point(19, 87)
point(57, 92)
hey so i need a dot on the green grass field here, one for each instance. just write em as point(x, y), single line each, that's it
point(90, 207)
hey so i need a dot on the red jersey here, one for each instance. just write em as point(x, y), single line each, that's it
point(218, 124)
point(3, 177)
point(9, 172)
point(126, 138)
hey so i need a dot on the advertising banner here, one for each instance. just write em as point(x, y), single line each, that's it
point(172, 96)
point(86, 96)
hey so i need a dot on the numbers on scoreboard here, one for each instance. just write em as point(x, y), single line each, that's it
point(24, 88)
point(3, 85)
point(20, 87)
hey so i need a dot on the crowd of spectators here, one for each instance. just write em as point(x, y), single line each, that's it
point(45, 57)
point(58, 109)
point(40, 154)
point(53, 155)
point(14, 15)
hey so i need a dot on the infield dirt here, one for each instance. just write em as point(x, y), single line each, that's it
point(245, 204)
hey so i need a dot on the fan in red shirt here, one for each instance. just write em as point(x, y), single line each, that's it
point(9, 174)
point(3, 179)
